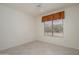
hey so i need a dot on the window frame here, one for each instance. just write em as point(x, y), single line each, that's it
point(52, 30)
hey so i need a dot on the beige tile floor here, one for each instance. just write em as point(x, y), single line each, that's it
point(39, 48)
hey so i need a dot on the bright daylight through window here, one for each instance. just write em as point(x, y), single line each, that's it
point(53, 28)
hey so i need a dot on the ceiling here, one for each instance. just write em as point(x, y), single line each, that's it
point(36, 9)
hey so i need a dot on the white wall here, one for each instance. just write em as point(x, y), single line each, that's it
point(71, 29)
point(15, 28)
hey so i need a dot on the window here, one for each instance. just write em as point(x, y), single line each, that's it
point(48, 28)
point(53, 28)
point(58, 28)
point(53, 24)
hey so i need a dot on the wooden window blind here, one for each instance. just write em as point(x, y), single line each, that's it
point(55, 16)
